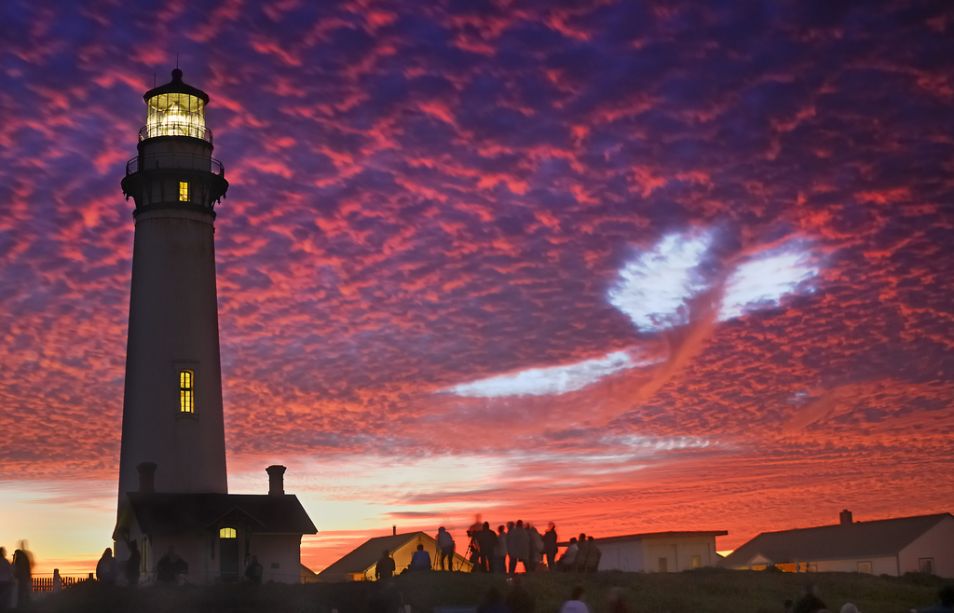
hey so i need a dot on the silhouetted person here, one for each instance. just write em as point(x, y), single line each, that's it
point(583, 554)
point(568, 559)
point(593, 555)
point(106, 568)
point(23, 573)
point(493, 602)
point(445, 549)
point(421, 560)
point(170, 566)
point(253, 571)
point(499, 563)
point(518, 545)
point(550, 545)
point(519, 600)
point(535, 542)
point(384, 569)
point(486, 543)
point(6, 580)
point(809, 602)
point(131, 566)
point(57, 580)
point(945, 602)
point(575, 604)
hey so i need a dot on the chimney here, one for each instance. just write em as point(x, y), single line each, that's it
point(147, 477)
point(276, 480)
point(845, 518)
point(393, 530)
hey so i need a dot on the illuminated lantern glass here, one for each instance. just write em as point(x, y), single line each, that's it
point(175, 114)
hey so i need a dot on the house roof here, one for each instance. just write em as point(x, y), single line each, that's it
point(166, 513)
point(656, 535)
point(368, 553)
point(855, 540)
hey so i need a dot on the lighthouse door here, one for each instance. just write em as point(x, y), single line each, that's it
point(228, 554)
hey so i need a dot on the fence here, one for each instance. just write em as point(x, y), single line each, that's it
point(44, 582)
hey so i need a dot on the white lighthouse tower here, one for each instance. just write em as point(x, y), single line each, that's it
point(172, 406)
point(173, 492)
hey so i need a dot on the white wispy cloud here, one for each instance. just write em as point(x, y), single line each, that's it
point(551, 379)
point(763, 280)
point(654, 288)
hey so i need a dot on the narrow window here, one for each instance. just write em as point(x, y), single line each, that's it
point(183, 191)
point(226, 533)
point(695, 562)
point(186, 391)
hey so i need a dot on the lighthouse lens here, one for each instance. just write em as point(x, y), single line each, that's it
point(176, 115)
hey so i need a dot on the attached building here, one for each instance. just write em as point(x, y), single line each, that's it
point(359, 564)
point(659, 551)
point(924, 543)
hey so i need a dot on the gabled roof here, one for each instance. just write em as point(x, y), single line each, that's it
point(368, 553)
point(165, 513)
point(884, 537)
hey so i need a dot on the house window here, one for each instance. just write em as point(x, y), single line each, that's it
point(864, 567)
point(183, 191)
point(695, 562)
point(926, 566)
point(186, 391)
point(227, 533)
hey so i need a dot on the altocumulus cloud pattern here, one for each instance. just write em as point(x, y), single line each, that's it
point(690, 262)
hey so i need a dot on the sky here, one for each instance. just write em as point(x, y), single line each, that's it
point(625, 266)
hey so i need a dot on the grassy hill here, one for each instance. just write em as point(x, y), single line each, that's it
point(704, 591)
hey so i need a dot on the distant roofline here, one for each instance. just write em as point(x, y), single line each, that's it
point(655, 535)
point(854, 523)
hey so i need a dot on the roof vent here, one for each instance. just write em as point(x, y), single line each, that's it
point(845, 518)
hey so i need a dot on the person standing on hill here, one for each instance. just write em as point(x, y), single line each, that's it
point(500, 552)
point(550, 546)
point(23, 572)
point(487, 543)
point(384, 569)
point(106, 568)
point(445, 549)
point(6, 580)
point(536, 547)
point(519, 546)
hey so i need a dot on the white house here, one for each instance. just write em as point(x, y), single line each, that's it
point(359, 564)
point(659, 551)
point(895, 546)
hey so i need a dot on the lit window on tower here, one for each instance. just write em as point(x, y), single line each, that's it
point(183, 191)
point(186, 391)
point(226, 533)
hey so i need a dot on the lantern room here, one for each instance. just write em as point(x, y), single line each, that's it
point(176, 109)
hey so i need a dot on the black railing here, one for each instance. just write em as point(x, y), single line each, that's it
point(152, 130)
point(174, 161)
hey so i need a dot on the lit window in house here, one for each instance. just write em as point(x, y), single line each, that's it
point(226, 533)
point(864, 567)
point(695, 562)
point(186, 391)
point(183, 191)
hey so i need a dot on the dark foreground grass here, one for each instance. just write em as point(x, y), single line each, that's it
point(704, 591)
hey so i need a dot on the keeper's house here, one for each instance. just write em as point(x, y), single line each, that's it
point(924, 543)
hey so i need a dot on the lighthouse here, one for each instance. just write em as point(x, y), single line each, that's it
point(173, 489)
point(172, 405)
